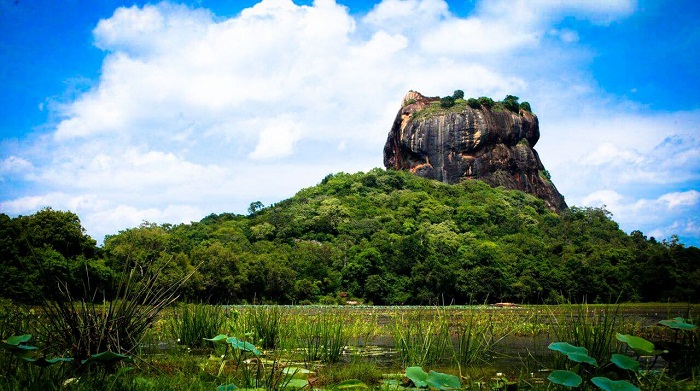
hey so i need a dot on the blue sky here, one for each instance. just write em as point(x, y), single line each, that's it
point(126, 112)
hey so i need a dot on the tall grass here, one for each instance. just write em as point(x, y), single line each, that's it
point(264, 321)
point(324, 338)
point(192, 323)
point(591, 327)
point(422, 339)
point(80, 327)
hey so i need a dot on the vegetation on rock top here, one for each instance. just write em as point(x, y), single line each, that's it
point(385, 237)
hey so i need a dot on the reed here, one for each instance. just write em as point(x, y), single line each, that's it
point(191, 323)
point(591, 327)
point(421, 339)
point(264, 322)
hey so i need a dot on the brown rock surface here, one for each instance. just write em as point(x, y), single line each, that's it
point(460, 143)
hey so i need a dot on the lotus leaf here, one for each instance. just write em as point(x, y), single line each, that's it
point(242, 345)
point(296, 384)
point(567, 348)
point(352, 384)
point(443, 381)
point(678, 323)
point(226, 387)
point(612, 385)
point(418, 376)
point(18, 339)
point(220, 339)
point(43, 362)
point(640, 345)
point(107, 357)
point(574, 353)
point(625, 362)
point(565, 378)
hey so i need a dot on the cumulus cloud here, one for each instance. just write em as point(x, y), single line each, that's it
point(194, 113)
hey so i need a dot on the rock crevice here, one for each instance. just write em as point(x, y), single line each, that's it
point(462, 143)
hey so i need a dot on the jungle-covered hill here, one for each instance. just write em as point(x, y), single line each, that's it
point(386, 237)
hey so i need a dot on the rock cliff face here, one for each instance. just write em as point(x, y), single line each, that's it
point(461, 142)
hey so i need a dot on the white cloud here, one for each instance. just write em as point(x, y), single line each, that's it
point(194, 113)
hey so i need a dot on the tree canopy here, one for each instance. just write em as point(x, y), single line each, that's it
point(385, 237)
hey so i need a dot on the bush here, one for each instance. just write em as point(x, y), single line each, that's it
point(511, 103)
point(526, 107)
point(447, 102)
point(473, 103)
point(486, 101)
point(458, 94)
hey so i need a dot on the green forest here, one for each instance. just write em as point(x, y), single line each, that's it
point(381, 237)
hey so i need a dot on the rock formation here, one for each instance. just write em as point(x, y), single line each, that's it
point(458, 143)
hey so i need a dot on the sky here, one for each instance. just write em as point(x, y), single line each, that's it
point(166, 112)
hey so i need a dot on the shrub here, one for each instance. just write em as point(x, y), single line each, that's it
point(447, 102)
point(486, 101)
point(526, 107)
point(473, 103)
point(511, 103)
point(458, 94)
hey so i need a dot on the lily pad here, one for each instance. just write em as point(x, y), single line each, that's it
point(18, 339)
point(226, 387)
point(43, 362)
point(625, 362)
point(349, 385)
point(418, 376)
point(611, 385)
point(243, 345)
point(574, 353)
point(220, 339)
point(443, 381)
point(678, 323)
point(107, 357)
point(567, 348)
point(565, 378)
point(296, 384)
point(640, 345)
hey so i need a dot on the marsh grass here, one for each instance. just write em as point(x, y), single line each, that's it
point(591, 327)
point(85, 326)
point(265, 322)
point(323, 338)
point(191, 323)
point(422, 339)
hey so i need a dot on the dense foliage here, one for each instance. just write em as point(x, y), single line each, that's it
point(384, 237)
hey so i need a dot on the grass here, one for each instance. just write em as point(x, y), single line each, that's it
point(191, 323)
point(461, 340)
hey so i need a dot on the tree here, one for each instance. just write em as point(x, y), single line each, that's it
point(458, 94)
point(447, 102)
point(511, 103)
point(255, 207)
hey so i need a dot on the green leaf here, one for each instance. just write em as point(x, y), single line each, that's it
point(565, 378)
point(18, 339)
point(567, 348)
point(612, 385)
point(242, 345)
point(418, 376)
point(574, 353)
point(43, 362)
point(296, 384)
point(352, 384)
point(226, 387)
point(640, 345)
point(220, 339)
point(678, 323)
point(443, 381)
point(577, 357)
point(107, 357)
point(297, 373)
point(625, 362)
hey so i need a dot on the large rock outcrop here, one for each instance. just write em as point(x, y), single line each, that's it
point(494, 145)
